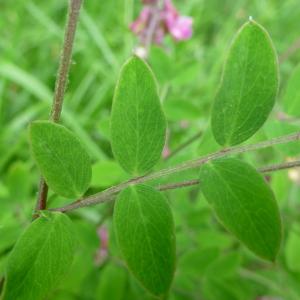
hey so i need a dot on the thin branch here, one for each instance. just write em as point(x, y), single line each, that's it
point(108, 194)
point(267, 169)
point(184, 145)
point(278, 167)
point(178, 185)
point(61, 82)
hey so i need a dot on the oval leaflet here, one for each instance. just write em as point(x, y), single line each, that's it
point(248, 86)
point(62, 159)
point(41, 257)
point(244, 204)
point(144, 227)
point(138, 125)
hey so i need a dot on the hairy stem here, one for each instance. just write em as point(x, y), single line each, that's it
point(109, 193)
point(65, 59)
point(60, 84)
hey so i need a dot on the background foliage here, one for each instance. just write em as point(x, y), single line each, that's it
point(211, 264)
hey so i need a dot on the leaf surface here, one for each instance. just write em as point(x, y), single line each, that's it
point(244, 204)
point(40, 259)
point(62, 159)
point(138, 125)
point(145, 233)
point(248, 87)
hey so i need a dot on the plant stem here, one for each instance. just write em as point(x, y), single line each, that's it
point(278, 167)
point(42, 195)
point(178, 185)
point(267, 169)
point(60, 84)
point(108, 194)
point(65, 59)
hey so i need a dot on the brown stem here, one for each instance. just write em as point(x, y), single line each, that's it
point(60, 85)
point(42, 195)
point(108, 194)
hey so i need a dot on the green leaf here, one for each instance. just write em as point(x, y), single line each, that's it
point(62, 159)
point(244, 203)
point(248, 87)
point(40, 259)
point(291, 98)
point(138, 125)
point(145, 233)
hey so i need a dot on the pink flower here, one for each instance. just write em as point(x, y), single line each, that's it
point(159, 20)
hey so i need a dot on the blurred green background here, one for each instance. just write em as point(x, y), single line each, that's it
point(211, 264)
